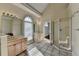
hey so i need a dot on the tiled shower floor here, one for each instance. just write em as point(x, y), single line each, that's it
point(45, 49)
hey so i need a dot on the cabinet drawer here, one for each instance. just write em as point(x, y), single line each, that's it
point(11, 43)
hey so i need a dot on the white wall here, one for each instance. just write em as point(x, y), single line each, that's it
point(74, 7)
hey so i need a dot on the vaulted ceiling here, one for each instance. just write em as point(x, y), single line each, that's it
point(37, 9)
point(39, 6)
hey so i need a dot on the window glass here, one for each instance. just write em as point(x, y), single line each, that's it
point(28, 28)
point(28, 19)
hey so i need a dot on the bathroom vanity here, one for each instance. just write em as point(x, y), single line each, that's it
point(13, 45)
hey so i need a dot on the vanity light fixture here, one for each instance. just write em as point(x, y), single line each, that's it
point(7, 14)
point(3, 13)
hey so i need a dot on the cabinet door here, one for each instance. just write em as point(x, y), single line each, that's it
point(18, 48)
point(24, 45)
point(11, 50)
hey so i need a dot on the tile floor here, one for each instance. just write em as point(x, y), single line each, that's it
point(45, 49)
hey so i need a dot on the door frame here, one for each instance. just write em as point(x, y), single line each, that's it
point(50, 30)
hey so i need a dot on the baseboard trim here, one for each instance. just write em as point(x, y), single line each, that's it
point(61, 49)
point(56, 47)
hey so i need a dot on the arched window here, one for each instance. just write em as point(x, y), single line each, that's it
point(28, 19)
point(28, 28)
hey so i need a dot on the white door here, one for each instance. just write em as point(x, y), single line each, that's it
point(75, 35)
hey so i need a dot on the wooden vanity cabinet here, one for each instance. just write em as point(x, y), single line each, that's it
point(14, 47)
